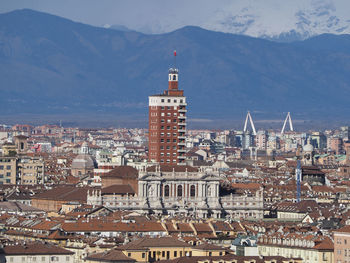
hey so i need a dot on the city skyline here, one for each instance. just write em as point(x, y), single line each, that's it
point(132, 147)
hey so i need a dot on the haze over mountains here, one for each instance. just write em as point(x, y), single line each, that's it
point(51, 65)
point(270, 19)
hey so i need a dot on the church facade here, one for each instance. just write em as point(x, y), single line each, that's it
point(182, 190)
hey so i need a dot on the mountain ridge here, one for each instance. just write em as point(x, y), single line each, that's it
point(52, 65)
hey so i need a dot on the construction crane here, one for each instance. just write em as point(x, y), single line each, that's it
point(288, 119)
point(251, 123)
point(298, 172)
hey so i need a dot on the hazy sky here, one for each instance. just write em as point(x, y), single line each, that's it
point(167, 15)
point(99, 12)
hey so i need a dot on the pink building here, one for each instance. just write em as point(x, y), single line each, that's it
point(335, 144)
point(342, 245)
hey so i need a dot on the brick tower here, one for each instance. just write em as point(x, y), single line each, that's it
point(347, 149)
point(167, 123)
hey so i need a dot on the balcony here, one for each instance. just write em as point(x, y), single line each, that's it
point(181, 143)
point(182, 117)
point(183, 110)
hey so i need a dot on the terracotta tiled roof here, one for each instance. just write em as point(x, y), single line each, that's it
point(45, 225)
point(344, 229)
point(208, 247)
point(118, 189)
point(202, 227)
point(100, 226)
point(35, 249)
point(145, 243)
point(325, 244)
point(124, 172)
point(221, 226)
point(250, 186)
point(184, 227)
point(64, 193)
point(110, 256)
point(170, 168)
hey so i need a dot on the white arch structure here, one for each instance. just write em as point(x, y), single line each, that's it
point(251, 123)
point(289, 120)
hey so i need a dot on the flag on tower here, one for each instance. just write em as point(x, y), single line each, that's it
point(174, 53)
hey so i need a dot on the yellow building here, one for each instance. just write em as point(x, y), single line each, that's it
point(8, 170)
point(154, 249)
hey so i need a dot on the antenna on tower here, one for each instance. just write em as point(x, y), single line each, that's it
point(175, 58)
point(251, 123)
point(289, 119)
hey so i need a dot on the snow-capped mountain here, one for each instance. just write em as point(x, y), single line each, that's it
point(282, 20)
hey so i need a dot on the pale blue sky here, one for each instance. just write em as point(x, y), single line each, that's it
point(158, 16)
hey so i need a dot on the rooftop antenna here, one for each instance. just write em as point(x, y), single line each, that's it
point(289, 119)
point(251, 123)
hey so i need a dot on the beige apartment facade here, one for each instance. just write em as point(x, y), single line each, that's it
point(8, 170)
point(309, 250)
point(31, 170)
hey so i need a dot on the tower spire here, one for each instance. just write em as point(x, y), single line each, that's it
point(173, 78)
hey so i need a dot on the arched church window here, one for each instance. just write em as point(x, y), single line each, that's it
point(209, 190)
point(166, 191)
point(193, 191)
point(179, 190)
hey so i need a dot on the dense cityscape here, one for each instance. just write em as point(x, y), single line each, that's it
point(171, 194)
point(196, 131)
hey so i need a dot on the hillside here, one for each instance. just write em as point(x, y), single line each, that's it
point(51, 65)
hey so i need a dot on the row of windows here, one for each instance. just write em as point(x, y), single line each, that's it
point(168, 127)
point(168, 108)
point(8, 181)
point(5, 160)
point(179, 191)
point(174, 100)
point(346, 252)
point(7, 174)
point(168, 147)
point(339, 241)
point(168, 134)
point(168, 161)
point(162, 254)
point(167, 140)
point(168, 114)
point(167, 154)
point(8, 167)
point(43, 259)
point(167, 121)
point(162, 141)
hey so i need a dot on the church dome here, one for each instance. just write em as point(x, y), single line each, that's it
point(308, 147)
point(83, 161)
